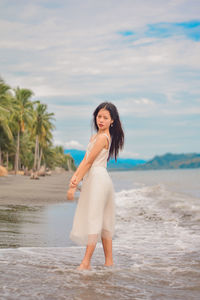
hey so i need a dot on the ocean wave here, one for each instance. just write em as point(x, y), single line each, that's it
point(157, 203)
point(156, 245)
point(153, 215)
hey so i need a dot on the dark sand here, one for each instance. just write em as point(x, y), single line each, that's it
point(21, 190)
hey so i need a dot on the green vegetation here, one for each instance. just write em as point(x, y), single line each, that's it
point(171, 161)
point(26, 133)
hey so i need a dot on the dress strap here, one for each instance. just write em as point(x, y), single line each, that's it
point(107, 138)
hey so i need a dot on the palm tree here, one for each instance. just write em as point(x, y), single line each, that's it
point(21, 116)
point(27, 146)
point(5, 109)
point(41, 129)
point(45, 142)
point(26, 132)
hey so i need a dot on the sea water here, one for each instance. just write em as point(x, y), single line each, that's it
point(156, 246)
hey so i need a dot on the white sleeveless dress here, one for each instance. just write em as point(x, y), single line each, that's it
point(95, 213)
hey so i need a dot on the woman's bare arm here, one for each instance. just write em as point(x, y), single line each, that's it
point(82, 162)
point(86, 164)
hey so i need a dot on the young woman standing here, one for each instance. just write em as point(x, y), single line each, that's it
point(95, 213)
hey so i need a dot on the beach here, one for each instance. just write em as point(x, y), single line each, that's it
point(21, 190)
point(156, 244)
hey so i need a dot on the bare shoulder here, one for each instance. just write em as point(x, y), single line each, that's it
point(93, 137)
point(100, 138)
point(103, 139)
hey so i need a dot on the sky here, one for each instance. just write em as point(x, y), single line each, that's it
point(141, 55)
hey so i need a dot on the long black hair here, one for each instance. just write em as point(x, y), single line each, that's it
point(116, 131)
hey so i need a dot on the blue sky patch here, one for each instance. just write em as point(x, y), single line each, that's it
point(190, 30)
point(189, 24)
point(126, 33)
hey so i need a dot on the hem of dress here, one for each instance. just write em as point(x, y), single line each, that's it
point(77, 240)
point(83, 242)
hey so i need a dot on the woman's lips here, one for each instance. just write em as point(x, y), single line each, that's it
point(100, 125)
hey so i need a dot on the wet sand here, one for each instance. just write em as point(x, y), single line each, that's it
point(156, 245)
point(21, 190)
point(35, 212)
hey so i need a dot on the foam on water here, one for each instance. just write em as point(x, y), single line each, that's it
point(154, 213)
point(156, 251)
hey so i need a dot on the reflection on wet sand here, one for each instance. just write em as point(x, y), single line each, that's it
point(28, 226)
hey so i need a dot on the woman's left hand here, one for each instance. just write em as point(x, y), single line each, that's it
point(73, 182)
point(70, 193)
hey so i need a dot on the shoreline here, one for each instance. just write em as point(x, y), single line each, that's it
point(21, 190)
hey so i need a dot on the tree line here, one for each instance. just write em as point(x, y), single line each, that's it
point(26, 139)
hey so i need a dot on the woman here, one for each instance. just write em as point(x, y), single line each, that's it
point(95, 214)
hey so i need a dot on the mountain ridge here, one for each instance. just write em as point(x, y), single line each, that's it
point(121, 164)
point(166, 161)
point(171, 161)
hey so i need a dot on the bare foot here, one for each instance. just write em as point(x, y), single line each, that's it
point(84, 266)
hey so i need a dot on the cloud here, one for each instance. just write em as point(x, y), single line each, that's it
point(77, 113)
point(76, 54)
point(127, 154)
point(73, 145)
point(87, 63)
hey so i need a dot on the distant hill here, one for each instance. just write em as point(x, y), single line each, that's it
point(171, 161)
point(76, 154)
point(121, 164)
point(166, 161)
point(124, 163)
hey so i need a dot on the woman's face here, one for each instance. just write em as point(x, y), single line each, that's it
point(103, 119)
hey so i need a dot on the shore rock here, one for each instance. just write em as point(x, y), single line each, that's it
point(3, 171)
point(20, 172)
point(42, 171)
point(59, 170)
point(48, 173)
point(34, 175)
